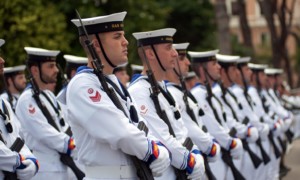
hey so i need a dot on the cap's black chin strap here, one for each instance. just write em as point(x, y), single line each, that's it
point(228, 77)
point(176, 72)
point(158, 58)
point(14, 84)
point(40, 72)
point(207, 73)
point(104, 54)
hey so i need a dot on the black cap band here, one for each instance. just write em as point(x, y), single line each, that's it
point(154, 40)
point(37, 58)
point(181, 52)
point(226, 65)
point(203, 59)
point(102, 27)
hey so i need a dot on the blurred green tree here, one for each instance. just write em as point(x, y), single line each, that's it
point(33, 23)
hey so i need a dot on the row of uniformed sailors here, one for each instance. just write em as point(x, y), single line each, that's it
point(226, 107)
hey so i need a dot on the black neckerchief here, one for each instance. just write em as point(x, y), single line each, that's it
point(170, 100)
point(6, 118)
point(56, 109)
point(234, 98)
point(125, 96)
point(192, 97)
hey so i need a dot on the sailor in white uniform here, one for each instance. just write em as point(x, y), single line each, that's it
point(15, 82)
point(157, 106)
point(204, 64)
point(43, 126)
point(229, 74)
point(239, 91)
point(23, 162)
point(104, 126)
point(188, 106)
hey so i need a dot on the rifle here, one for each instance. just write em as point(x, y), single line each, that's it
point(154, 92)
point(225, 153)
point(16, 146)
point(143, 170)
point(191, 113)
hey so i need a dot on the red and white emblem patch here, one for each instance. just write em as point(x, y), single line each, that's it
point(95, 97)
point(31, 109)
point(143, 109)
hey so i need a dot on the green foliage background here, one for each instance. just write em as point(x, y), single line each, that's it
point(46, 24)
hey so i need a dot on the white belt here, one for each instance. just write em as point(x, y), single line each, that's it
point(110, 172)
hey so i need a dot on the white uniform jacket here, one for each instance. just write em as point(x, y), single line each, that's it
point(247, 110)
point(42, 138)
point(15, 98)
point(230, 120)
point(140, 91)
point(203, 140)
point(214, 128)
point(259, 108)
point(10, 160)
point(104, 135)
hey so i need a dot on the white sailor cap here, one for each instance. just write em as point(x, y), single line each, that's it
point(257, 67)
point(181, 48)
point(200, 57)
point(77, 60)
point(2, 41)
point(136, 67)
point(190, 75)
point(227, 59)
point(273, 71)
point(14, 70)
point(121, 67)
point(243, 60)
point(40, 55)
point(154, 37)
point(101, 24)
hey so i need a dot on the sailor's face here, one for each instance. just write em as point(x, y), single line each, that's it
point(214, 69)
point(115, 46)
point(247, 73)
point(49, 71)
point(233, 73)
point(184, 64)
point(1, 65)
point(167, 55)
point(20, 81)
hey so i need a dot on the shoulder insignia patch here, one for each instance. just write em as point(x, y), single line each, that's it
point(31, 109)
point(143, 109)
point(94, 96)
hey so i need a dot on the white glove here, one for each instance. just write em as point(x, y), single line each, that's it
point(159, 165)
point(287, 123)
point(237, 150)
point(264, 132)
point(28, 172)
point(277, 129)
point(199, 168)
point(252, 134)
point(211, 157)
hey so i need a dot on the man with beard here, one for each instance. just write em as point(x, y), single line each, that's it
point(23, 163)
point(47, 140)
point(15, 82)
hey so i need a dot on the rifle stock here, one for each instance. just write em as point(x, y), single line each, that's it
point(228, 160)
point(276, 150)
point(16, 146)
